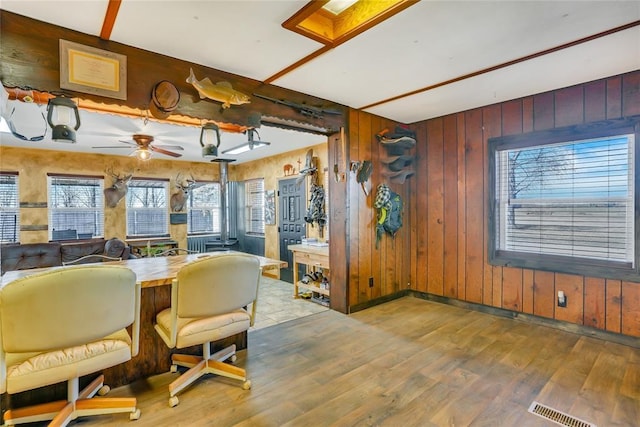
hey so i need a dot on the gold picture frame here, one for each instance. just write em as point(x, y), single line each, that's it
point(91, 70)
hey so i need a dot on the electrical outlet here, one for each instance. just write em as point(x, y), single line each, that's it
point(562, 299)
point(371, 282)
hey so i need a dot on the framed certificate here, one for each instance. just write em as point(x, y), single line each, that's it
point(91, 70)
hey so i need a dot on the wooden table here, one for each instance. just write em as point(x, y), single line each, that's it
point(154, 357)
point(314, 257)
point(151, 272)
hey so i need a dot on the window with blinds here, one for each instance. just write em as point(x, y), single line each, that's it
point(9, 208)
point(203, 212)
point(567, 205)
point(147, 212)
point(254, 193)
point(76, 208)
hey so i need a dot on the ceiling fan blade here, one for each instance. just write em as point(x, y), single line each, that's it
point(161, 151)
point(129, 142)
point(169, 147)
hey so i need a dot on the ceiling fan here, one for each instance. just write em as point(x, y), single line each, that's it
point(144, 147)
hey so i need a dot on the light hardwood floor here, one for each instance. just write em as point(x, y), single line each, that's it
point(408, 362)
point(276, 304)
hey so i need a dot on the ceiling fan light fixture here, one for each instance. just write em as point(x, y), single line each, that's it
point(143, 154)
point(60, 113)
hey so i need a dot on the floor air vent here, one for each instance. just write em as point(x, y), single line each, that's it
point(556, 416)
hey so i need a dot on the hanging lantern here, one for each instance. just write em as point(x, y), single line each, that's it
point(60, 116)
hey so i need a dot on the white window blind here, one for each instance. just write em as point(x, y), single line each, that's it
point(147, 213)
point(76, 208)
point(572, 199)
point(254, 193)
point(203, 214)
point(9, 209)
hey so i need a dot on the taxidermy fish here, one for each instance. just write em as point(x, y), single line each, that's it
point(221, 91)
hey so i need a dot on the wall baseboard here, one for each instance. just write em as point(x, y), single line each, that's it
point(501, 312)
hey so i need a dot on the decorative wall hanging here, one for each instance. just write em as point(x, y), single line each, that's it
point(270, 207)
point(221, 91)
point(398, 164)
point(304, 109)
point(164, 99)
point(178, 200)
point(91, 70)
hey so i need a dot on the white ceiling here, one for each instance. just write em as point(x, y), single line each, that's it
point(426, 45)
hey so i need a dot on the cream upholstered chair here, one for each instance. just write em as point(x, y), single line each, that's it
point(60, 325)
point(208, 303)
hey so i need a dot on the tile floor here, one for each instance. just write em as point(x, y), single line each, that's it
point(277, 305)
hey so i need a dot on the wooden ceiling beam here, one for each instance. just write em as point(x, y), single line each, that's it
point(30, 58)
point(110, 19)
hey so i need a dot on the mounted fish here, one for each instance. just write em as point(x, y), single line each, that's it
point(221, 91)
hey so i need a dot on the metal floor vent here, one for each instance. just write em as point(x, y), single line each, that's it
point(556, 416)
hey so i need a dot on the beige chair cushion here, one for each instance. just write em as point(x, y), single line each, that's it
point(26, 371)
point(194, 331)
point(66, 323)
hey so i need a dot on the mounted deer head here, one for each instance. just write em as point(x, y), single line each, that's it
point(179, 198)
point(118, 189)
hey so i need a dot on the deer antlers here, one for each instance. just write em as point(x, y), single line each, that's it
point(118, 189)
point(179, 198)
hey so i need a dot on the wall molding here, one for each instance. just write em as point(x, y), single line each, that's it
point(501, 312)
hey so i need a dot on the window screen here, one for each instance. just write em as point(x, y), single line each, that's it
point(76, 209)
point(203, 215)
point(9, 209)
point(147, 213)
point(563, 205)
point(254, 193)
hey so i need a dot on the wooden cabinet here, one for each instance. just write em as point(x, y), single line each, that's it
point(316, 258)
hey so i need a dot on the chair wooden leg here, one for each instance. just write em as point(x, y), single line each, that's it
point(63, 417)
point(187, 378)
point(35, 413)
point(82, 404)
point(199, 367)
point(186, 360)
point(92, 388)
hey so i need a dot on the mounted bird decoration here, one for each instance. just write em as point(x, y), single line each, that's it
point(221, 91)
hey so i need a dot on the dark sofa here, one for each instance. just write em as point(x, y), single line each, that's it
point(37, 255)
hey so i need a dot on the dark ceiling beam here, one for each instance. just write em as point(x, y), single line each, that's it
point(30, 58)
point(110, 19)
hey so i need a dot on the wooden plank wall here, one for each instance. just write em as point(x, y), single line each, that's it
point(442, 248)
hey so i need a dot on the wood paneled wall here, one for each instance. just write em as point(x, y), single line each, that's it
point(442, 248)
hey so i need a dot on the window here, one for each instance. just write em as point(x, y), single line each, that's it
point(76, 209)
point(9, 208)
point(147, 214)
point(254, 196)
point(204, 209)
point(564, 200)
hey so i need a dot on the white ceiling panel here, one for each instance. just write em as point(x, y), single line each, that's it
point(240, 37)
point(64, 13)
point(615, 54)
point(433, 42)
